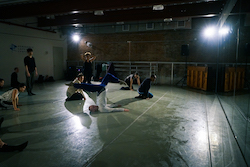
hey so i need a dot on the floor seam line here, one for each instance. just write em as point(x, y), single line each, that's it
point(92, 158)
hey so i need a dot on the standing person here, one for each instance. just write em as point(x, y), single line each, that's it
point(8, 148)
point(88, 59)
point(14, 81)
point(74, 93)
point(101, 99)
point(10, 98)
point(30, 71)
point(143, 90)
point(130, 79)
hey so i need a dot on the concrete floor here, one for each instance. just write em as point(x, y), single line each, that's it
point(178, 127)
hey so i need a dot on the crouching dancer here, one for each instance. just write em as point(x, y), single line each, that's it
point(143, 90)
point(101, 98)
point(10, 98)
point(72, 92)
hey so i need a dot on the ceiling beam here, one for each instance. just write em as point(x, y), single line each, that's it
point(199, 9)
point(226, 12)
point(66, 6)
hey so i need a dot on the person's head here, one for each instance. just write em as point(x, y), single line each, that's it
point(21, 87)
point(87, 54)
point(16, 69)
point(152, 77)
point(30, 51)
point(136, 75)
point(80, 77)
point(1, 82)
point(93, 108)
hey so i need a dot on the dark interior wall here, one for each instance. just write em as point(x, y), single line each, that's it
point(160, 46)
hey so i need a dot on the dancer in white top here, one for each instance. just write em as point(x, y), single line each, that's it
point(74, 93)
point(101, 99)
point(10, 98)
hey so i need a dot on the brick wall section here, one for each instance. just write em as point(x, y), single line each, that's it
point(161, 46)
point(155, 46)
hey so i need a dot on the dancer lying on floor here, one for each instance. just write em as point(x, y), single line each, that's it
point(7, 148)
point(101, 99)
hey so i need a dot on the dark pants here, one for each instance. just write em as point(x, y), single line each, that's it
point(30, 82)
point(8, 148)
point(97, 88)
point(5, 104)
point(75, 96)
point(87, 76)
point(148, 95)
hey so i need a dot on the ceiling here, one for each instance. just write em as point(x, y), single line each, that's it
point(44, 14)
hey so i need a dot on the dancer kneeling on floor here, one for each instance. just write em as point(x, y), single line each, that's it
point(101, 99)
point(74, 93)
point(130, 79)
point(10, 98)
point(143, 90)
point(7, 148)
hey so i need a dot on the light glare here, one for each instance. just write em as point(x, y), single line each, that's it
point(76, 37)
point(210, 32)
point(224, 31)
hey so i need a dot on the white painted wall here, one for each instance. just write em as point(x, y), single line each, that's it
point(42, 44)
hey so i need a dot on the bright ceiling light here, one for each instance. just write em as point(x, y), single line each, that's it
point(76, 38)
point(98, 12)
point(210, 32)
point(224, 31)
point(158, 7)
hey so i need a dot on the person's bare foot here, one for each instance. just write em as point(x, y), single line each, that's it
point(126, 110)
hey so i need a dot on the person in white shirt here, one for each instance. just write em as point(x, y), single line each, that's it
point(74, 93)
point(10, 98)
point(130, 79)
point(101, 99)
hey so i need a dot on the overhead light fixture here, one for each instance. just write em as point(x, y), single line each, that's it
point(168, 19)
point(98, 12)
point(158, 7)
point(120, 22)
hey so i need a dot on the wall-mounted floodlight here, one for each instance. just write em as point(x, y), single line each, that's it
point(214, 32)
point(76, 37)
point(210, 32)
point(224, 31)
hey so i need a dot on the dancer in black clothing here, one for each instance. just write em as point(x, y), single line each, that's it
point(88, 59)
point(30, 71)
point(143, 90)
point(9, 148)
point(14, 80)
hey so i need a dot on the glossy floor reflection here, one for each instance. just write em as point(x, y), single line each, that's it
point(178, 127)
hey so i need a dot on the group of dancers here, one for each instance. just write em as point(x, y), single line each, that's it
point(76, 88)
point(75, 91)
